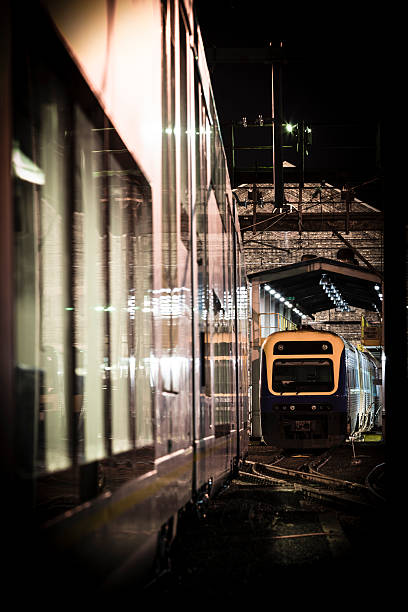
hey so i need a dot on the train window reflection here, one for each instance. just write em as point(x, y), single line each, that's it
point(296, 375)
point(113, 261)
point(41, 275)
point(89, 292)
point(83, 279)
point(118, 300)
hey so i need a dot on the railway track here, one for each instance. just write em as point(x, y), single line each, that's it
point(281, 519)
point(306, 461)
point(303, 477)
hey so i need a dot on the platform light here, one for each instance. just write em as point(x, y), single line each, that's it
point(272, 292)
point(266, 287)
point(281, 299)
point(333, 293)
point(377, 287)
point(277, 295)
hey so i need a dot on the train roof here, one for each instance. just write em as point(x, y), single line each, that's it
point(309, 331)
point(304, 330)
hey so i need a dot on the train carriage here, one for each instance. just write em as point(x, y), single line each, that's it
point(315, 389)
point(126, 369)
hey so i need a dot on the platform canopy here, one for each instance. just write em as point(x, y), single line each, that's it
point(303, 284)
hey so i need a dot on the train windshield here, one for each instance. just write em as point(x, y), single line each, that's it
point(296, 375)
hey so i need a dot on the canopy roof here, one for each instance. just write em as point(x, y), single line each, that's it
point(302, 282)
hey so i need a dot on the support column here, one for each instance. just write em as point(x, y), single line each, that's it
point(255, 360)
point(277, 134)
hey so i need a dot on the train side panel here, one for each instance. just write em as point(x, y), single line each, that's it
point(365, 394)
point(353, 384)
point(130, 299)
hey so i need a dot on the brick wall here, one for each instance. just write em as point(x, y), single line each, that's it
point(271, 249)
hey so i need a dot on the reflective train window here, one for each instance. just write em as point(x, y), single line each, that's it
point(83, 272)
point(295, 375)
point(42, 277)
point(112, 288)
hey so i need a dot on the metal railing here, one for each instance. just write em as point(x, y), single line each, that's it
point(270, 322)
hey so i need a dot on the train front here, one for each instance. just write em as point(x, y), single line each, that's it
point(303, 389)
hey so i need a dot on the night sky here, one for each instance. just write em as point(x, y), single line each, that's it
point(331, 79)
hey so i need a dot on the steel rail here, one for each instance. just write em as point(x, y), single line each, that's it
point(330, 489)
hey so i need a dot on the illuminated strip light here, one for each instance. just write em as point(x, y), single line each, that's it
point(333, 293)
point(281, 298)
point(380, 295)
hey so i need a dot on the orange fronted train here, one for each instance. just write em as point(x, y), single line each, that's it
point(315, 389)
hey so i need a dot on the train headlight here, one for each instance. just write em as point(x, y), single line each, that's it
point(314, 407)
point(292, 407)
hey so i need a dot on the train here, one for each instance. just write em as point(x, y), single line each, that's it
point(316, 390)
point(125, 297)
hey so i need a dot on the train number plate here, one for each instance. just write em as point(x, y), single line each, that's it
point(302, 425)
